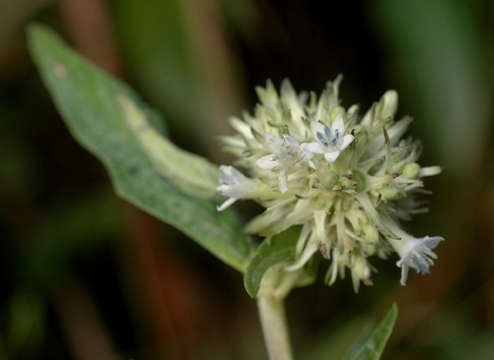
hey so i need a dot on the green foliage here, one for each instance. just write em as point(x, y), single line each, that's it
point(336, 343)
point(80, 226)
point(156, 49)
point(443, 62)
point(26, 320)
point(278, 249)
point(193, 174)
point(373, 347)
point(87, 99)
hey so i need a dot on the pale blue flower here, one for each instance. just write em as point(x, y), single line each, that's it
point(416, 253)
point(285, 153)
point(330, 141)
point(233, 184)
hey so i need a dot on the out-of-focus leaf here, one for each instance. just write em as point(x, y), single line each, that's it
point(155, 49)
point(26, 321)
point(193, 174)
point(243, 15)
point(373, 347)
point(87, 99)
point(65, 231)
point(455, 335)
point(280, 248)
point(337, 343)
point(438, 53)
point(179, 56)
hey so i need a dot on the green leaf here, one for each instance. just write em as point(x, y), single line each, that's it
point(193, 174)
point(87, 99)
point(336, 343)
point(444, 73)
point(280, 248)
point(156, 50)
point(373, 347)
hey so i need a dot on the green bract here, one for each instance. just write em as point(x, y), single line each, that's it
point(347, 180)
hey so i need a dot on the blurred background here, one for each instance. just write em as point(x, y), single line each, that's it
point(84, 275)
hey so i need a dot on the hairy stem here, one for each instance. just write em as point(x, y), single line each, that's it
point(274, 327)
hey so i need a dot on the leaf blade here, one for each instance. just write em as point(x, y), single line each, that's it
point(86, 98)
point(279, 248)
point(193, 174)
point(373, 348)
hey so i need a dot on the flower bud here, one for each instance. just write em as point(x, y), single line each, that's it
point(389, 103)
point(388, 192)
point(411, 170)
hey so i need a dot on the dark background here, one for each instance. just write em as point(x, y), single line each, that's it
point(84, 275)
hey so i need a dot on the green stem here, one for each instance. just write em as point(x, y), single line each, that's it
point(274, 327)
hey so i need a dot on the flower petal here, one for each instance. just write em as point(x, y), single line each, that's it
point(331, 156)
point(320, 132)
point(290, 141)
point(347, 140)
point(338, 126)
point(314, 147)
point(282, 181)
point(274, 143)
point(230, 174)
point(268, 162)
point(226, 204)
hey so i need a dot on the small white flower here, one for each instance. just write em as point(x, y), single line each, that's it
point(330, 141)
point(233, 184)
point(416, 253)
point(285, 152)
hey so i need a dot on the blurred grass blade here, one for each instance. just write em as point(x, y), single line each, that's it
point(280, 248)
point(373, 347)
point(87, 99)
point(193, 174)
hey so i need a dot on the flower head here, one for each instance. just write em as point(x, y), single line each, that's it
point(347, 179)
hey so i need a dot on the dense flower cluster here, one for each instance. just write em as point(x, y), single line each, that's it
point(347, 180)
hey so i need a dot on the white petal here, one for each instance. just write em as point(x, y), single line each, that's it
point(226, 204)
point(404, 274)
point(268, 162)
point(290, 141)
point(230, 190)
point(282, 181)
point(321, 132)
point(274, 143)
point(331, 156)
point(229, 172)
point(291, 145)
point(347, 140)
point(338, 125)
point(314, 147)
